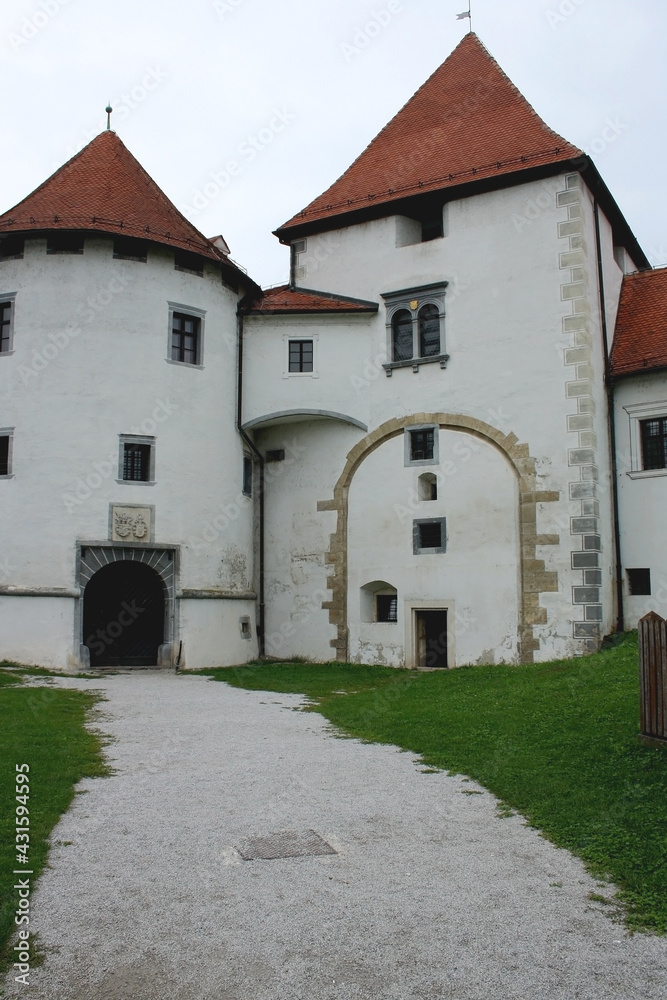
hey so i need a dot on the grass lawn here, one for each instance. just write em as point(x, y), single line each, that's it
point(556, 742)
point(44, 728)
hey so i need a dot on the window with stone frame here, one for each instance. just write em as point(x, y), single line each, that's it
point(6, 326)
point(654, 443)
point(415, 327)
point(185, 338)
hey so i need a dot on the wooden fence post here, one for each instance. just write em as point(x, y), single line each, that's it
point(653, 678)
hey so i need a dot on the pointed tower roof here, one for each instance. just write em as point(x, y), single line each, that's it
point(467, 123)
point(103, 188)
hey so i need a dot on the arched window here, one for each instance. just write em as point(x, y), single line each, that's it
point(401, 326)
point(428, 487)
point(429, 331)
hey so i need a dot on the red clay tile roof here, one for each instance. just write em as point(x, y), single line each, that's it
point(105, 189)
point(304, 300)
point(468, 122)
point(640, 339)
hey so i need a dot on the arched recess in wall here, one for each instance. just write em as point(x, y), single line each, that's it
point(534, 579)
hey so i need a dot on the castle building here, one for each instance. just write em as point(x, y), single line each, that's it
point(443, 442)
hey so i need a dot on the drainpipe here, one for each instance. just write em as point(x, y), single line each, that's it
point(611, 420)
point(260, 459)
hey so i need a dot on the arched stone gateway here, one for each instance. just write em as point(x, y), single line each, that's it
point(534, 578)
point(124, 607)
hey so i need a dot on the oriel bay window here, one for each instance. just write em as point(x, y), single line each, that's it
point(415, 327)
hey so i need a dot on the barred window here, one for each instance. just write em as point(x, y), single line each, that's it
point(136, 462)
point(654, 443)
point(4, 455)
point(386, 607)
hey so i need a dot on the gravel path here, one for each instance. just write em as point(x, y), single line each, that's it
point(430, 894)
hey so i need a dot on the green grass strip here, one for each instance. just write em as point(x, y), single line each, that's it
point(44, 728)
point(556, 742)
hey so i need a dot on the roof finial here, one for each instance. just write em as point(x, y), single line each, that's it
point(108, 110)
point(466, 13)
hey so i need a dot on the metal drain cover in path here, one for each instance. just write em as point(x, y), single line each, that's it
point(285, 844)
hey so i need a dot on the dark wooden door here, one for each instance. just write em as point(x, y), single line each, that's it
point(432, 638)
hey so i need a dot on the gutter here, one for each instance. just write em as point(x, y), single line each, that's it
point(260, 460)
point(611, 421)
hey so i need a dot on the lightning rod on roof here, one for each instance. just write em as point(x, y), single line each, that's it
point(108, 110)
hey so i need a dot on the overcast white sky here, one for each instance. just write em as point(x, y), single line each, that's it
point(312, 81)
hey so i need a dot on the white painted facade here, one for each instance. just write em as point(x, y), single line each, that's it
point(90, 364)
point(519, 479)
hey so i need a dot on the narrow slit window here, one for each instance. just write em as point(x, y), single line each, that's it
point(247, 475)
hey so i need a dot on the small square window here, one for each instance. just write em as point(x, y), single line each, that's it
point(185, 338)
point(5, 454)
point(386, 607)
point(64, 242)
point(12, 248)
point(421, 445)
point(640, 582)
point(129, 248)
point(190, 262)
point(654, 443)
point(247, 475)
point(6, 326)
point(429, 535)
point(300, 356)
point(137, 459)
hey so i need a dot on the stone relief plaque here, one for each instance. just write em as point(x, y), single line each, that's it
point(131, 524)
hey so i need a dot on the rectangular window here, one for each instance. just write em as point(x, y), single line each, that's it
point(12, 248)
point(5, 327)
point(386, 607)
point(128, 248)
point(190, 262)
point(137, 459)
point(137, 462)
point(300, 356)
point(5, 469)
point(64, 242)
point(247, 475)
point(640, 582)
point(421, 445)
point(654, 443)
point(185, 338)
point(429, 535)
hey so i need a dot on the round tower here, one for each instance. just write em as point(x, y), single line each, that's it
point(126, 526)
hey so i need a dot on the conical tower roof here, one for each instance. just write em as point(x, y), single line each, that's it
point(467, 123)
point(103, 188)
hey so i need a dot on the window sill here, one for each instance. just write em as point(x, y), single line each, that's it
point(136, 482)
point(415, 363)
point(183, 364)
point(646, 473)
point(301, 374)
point(9, 476)
point(6, 354)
